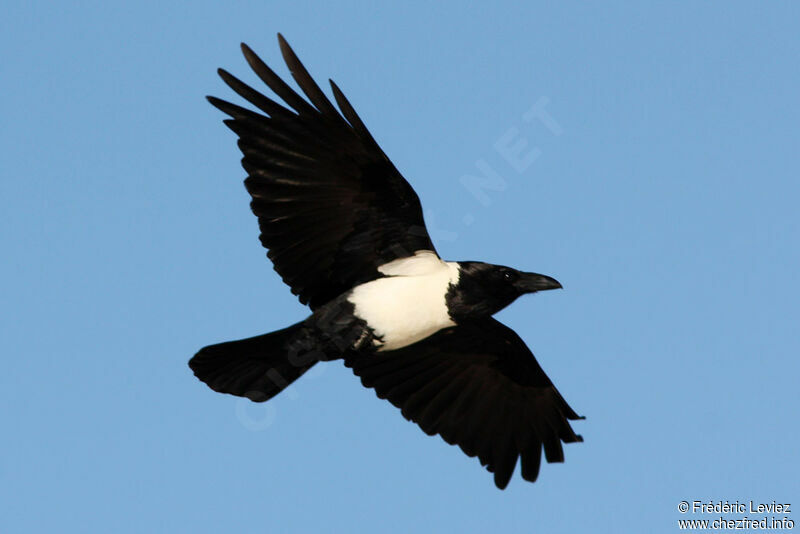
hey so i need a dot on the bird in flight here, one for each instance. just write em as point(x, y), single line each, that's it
point(345, 232)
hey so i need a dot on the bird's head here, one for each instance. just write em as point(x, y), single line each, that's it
point(484, 289)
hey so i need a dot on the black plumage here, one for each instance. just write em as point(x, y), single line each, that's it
point(345, 231)
point(309, 168)
point(478, 386)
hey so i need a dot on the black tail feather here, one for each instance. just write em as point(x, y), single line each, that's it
point(257, 368)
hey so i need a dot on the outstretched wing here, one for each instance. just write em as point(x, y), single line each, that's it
point(478, 386)
point(330, 205)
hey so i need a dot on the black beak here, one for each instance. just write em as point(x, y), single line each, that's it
point(532, 282)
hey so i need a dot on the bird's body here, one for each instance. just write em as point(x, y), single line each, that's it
point(345, 231)
point(409, 303)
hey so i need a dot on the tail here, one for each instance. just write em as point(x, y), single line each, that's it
point(258, 367)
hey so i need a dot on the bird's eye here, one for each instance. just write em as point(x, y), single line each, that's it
point(508, 276)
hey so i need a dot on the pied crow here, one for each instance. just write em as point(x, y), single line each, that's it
point(345, 231)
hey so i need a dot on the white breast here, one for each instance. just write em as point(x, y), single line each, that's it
point(409, 305)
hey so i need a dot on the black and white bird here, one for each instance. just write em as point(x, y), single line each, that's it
point(345, 231)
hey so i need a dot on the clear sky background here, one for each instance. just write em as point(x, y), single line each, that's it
point(662, 192)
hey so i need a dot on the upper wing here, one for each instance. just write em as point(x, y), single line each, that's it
point(330, 204)
point(478, 386)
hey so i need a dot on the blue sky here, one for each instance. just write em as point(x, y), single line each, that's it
point(661, 189)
